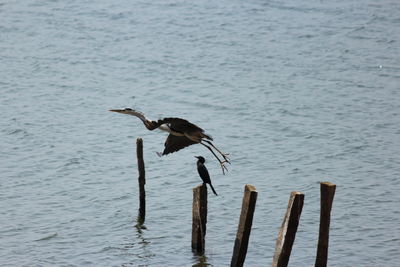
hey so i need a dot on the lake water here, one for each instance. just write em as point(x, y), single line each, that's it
point(297, 92)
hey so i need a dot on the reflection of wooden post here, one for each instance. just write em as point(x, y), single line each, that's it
point(244, 228)
point(199, 218)
point(142, 180)
point(327, 194)
point(287, 233)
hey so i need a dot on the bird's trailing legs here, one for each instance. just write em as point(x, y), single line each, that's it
point(223, 167)
point(224, 155)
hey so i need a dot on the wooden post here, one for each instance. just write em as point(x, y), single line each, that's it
point(142, 180)
point(244, 228)
point(327, 194)
point(199, 218)
point(288, 230)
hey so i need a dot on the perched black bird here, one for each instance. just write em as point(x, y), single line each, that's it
point(203, 172)
point(181, 134)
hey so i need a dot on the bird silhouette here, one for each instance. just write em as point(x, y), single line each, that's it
point(203, 172)
point(182, 133)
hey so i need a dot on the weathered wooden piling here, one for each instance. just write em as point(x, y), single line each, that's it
point(288, 230)
point(141, 179)
point(327, 194)
point(244, 227)
point(199, 218)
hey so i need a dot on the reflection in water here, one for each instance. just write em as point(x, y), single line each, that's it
point(143, 241)
point(140, 225)
point(144, 254)
point(201, 260)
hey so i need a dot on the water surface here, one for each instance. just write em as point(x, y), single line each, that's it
point(296, 92)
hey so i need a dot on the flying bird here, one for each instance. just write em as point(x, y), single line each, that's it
point(203, 172)
point(182, 133)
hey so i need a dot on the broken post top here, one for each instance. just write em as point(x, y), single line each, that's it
point(328, 184)
point(139, 148)
point(249, 187)
point(200, 186)
point(139, 141)
point(296, 193)
point(327, 190)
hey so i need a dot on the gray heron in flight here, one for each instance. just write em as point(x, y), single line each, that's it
point(181, 134)
point(203, 172)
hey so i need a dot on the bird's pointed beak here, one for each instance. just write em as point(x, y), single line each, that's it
point(123, 111)
point(196, 156)
point(117, 110)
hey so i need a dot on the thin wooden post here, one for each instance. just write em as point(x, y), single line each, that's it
point(141, 179)
point(199, 218)
point(287, 233)
point(327, 194)
point(244, 227)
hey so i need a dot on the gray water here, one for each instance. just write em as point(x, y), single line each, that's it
point(298, 92)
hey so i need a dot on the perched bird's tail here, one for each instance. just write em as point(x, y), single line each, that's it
point(212, 188)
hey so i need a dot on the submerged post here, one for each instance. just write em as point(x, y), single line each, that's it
point(199, 218)
point(244, 228)
point(327, 194)
point(141, 179)
point(288, 230)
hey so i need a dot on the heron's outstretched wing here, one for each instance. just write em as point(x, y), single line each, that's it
point(183, 126)
point(180, 125)
point(175, 143)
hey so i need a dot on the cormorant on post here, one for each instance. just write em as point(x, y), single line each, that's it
point(181, 134)
point(203, 172)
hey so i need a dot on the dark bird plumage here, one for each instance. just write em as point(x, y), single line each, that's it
point(182, 133)
point(203, 172)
